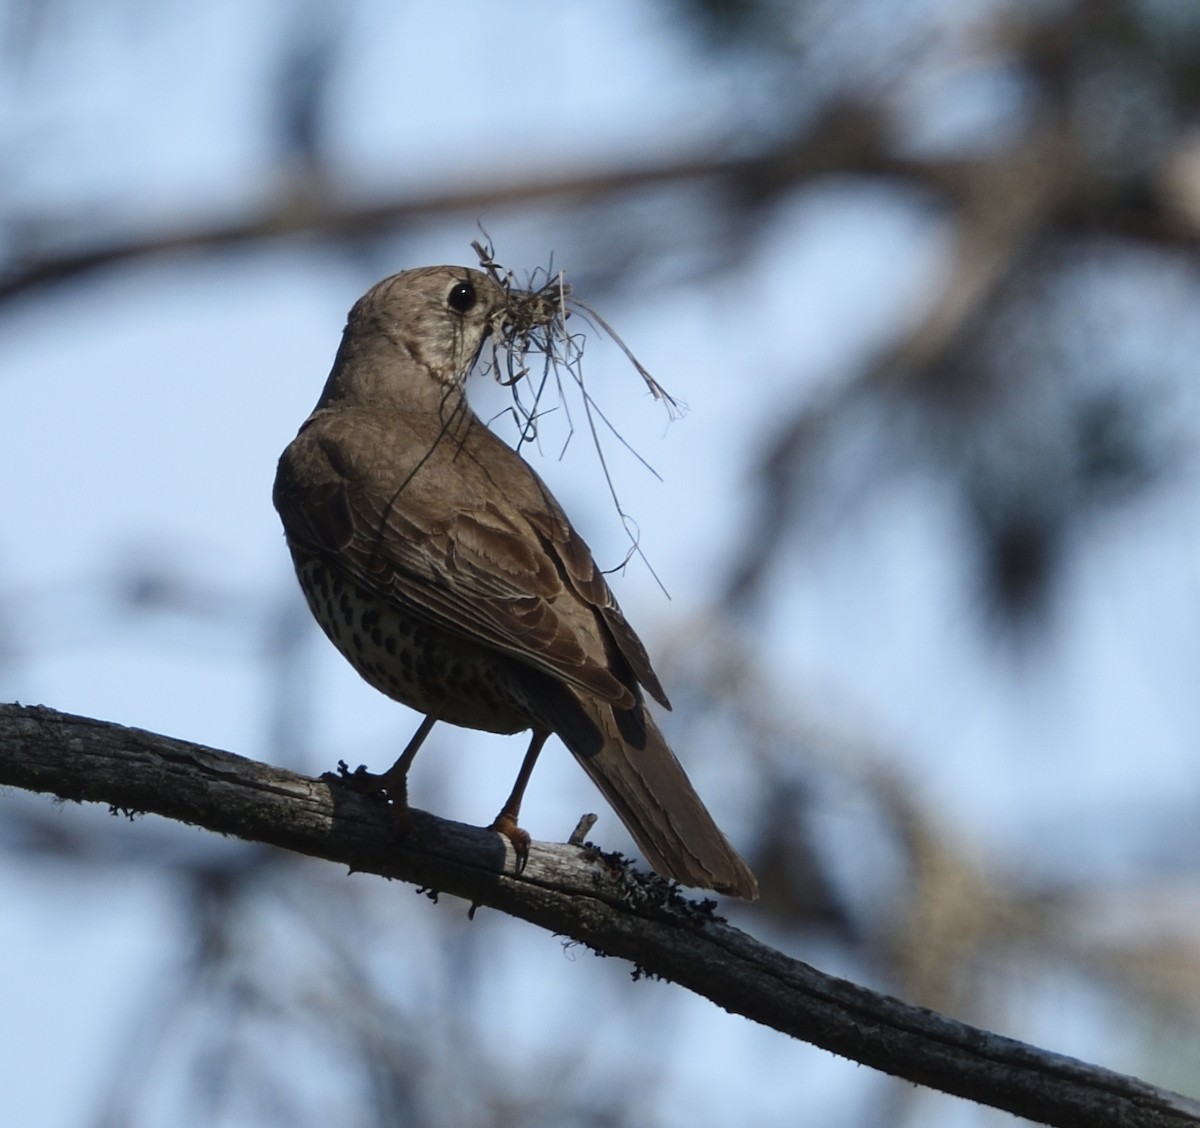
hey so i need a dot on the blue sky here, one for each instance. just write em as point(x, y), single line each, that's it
point(146, 407)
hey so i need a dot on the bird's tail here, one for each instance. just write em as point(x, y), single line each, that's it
point(652, 795)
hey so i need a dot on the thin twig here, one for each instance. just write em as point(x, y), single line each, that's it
point(534, 320)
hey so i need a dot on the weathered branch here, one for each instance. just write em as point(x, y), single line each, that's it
point(575, 892)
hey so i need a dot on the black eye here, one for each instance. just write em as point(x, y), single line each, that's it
point(462, 297)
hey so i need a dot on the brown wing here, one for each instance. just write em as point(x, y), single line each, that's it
point(460, 552)
point(579, 570)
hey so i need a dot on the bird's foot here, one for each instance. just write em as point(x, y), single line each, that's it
point(506, 824)
point(391, 788)
point(360, 780)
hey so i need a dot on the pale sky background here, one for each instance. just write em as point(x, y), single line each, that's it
point(144, 410)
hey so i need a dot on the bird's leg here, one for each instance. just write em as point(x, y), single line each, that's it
point(506, 821)
point(395, 779)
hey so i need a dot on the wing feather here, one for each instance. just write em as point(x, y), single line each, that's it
point(518, 581)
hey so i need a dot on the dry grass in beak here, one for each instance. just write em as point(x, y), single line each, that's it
point(533, 322)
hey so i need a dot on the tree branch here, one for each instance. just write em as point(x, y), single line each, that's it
point(848, 139)
point(576, 892)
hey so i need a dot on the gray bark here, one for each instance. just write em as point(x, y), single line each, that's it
point(577, 892)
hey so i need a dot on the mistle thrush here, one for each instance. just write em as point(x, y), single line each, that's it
point(442, 568)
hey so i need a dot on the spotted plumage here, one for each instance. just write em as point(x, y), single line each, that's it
point(442, 568)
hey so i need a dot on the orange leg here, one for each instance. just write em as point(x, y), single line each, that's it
point(395, 779)
point(506, 821)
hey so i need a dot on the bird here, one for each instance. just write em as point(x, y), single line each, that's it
point(440, 565)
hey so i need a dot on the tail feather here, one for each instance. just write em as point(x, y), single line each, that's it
point(653, 797)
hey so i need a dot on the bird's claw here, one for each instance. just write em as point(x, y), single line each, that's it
point(392, 790)
point(507, 825)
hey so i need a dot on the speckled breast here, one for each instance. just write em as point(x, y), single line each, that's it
point(412, 661)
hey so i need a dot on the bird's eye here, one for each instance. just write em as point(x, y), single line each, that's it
point(462, 297)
